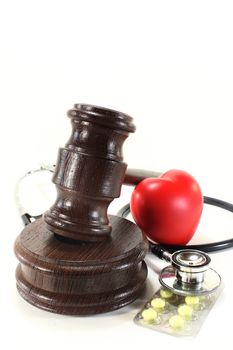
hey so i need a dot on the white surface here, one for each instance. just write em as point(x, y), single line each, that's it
point(166, 63)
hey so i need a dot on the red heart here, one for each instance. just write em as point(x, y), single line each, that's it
point(168, 208)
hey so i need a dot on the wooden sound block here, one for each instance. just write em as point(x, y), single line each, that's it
point(77, 260)
point(81, 278)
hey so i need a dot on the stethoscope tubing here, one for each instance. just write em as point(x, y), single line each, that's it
point(132, 178)
point(205, 247)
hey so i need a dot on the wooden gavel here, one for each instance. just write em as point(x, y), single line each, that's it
point(76, 259)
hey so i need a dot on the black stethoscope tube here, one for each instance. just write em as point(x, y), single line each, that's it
point(133, 177)
point(155, 248)
point(206, 247)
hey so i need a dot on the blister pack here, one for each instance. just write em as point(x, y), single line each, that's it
point(175, 314)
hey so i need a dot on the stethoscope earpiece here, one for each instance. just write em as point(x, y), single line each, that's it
point(189, 273)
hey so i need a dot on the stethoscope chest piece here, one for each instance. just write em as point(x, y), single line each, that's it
point(189, 273)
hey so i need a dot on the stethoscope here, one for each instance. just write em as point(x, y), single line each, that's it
point(188, 272)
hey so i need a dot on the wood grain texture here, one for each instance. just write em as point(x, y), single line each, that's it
point(77, 260)
point(81, 278)
point(89, 173)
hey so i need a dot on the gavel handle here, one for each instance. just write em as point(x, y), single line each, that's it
point(134, 176)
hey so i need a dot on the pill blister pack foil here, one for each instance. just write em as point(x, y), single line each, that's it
point(174, 314)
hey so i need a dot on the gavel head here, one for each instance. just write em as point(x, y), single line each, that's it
point(89, 173)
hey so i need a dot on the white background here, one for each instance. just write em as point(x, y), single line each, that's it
point(169, 64)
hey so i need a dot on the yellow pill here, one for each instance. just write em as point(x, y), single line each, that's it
point(158, 303)
point(165, 293)
point(176, 322)
point(192, 300)
point(185, 311)
point(204, 297)
point(149, 315)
